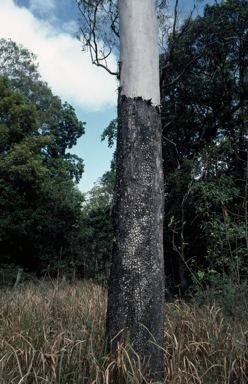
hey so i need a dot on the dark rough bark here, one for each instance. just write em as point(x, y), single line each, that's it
point(136, 283)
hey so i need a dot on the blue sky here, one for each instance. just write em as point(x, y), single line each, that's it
point(47, 28)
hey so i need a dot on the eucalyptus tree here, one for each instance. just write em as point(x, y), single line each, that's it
point(136, 283)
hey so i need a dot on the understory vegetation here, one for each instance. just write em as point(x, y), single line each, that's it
point(53, 332)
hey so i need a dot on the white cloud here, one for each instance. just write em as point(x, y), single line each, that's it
point(42, 6)
point(70, 27)
point(63, 65)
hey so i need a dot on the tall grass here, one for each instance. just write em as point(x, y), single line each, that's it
point(53, 333)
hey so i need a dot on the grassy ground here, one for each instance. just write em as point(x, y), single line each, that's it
point(53, 333)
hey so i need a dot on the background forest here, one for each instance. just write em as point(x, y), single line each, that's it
point(47, 226)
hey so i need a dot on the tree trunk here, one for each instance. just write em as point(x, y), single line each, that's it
point(136, 282)
point(139, 57)
point(18, 278)
point(179, 237)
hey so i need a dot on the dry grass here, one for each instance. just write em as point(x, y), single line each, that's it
point(202, 347)
point(54, 333)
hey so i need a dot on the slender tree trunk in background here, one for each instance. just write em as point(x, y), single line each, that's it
point(179, 238)
point(180, 242)
point(18, 278)
point(136, 283)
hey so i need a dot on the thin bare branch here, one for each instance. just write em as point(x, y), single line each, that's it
point(95, 32)
point(175, 40)
point(185, 68)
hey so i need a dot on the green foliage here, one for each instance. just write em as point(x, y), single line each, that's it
point(98, 229)
point(40, 208)
point(18, 63)
point(22, 172)
point(65, 134)
point(47, 225)
point(110, 132)
point(53, 118)
point(205, 148)
point(98, 24)
point(20, 145)
point(56, 232)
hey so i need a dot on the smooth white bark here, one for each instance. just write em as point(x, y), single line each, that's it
point(139, 55)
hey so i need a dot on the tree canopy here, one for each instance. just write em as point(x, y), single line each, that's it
point(40, 207)
point(205, 134)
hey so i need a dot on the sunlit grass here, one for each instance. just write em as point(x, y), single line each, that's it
point(53, 332)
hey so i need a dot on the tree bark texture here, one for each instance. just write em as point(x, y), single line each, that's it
point(136, 283)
